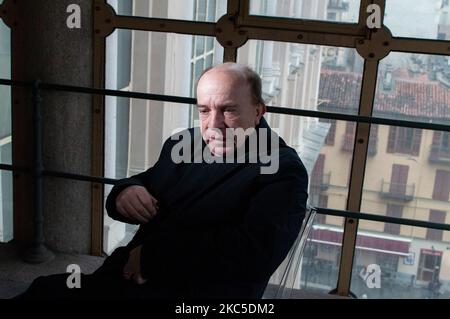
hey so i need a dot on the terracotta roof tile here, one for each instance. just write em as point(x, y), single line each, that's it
point(417, 99)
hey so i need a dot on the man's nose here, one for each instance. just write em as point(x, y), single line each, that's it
point(216, 120)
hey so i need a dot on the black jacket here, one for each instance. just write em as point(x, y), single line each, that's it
point(222, 229)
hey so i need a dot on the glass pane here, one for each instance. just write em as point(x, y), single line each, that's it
point(6, 207)
point(193, 10)
point(328, 10)
point(418, 18)
point(155, 62)
point(413, 87)
point(313, 78)
point(406, 266)
point(199, 45)
point(209, 61)
point(307, 77)
point(313, 271)
point(209, 44)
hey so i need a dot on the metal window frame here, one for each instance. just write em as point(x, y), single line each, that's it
point(37, 86)
point(232, 31)
point(373, 46)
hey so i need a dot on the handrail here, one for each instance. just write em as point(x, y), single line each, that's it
point(319, 210)
point(270, 109)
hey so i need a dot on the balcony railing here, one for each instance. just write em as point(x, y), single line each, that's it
point(399, 191)
point(440, 154)
point(321, 181)
point(349, 141)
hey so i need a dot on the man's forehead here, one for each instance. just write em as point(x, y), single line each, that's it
point(220, 73)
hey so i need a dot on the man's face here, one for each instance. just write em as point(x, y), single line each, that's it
point(224, 101)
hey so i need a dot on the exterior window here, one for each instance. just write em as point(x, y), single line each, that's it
point(440, 150)
point(349, 138)
point(393, 211)
point(317, 173)
point(441, 185)
point(404, 140)
point(436, 216)
point(399, 178)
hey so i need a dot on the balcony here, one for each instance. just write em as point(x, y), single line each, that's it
point(400, 191)
point(338, 5)
point(349, 141)
point(439, 154)
point(321, 181)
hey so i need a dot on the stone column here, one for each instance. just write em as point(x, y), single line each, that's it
point(46, 49)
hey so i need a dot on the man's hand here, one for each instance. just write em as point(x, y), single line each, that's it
point(132, 269)
point(137, 204)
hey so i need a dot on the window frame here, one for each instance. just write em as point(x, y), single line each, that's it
point(262, 28)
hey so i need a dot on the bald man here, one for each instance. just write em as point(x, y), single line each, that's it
point(215, 228)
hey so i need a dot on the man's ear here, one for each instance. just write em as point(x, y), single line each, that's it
point(261, 109)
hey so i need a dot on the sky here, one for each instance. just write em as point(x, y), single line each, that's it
point(413, 18)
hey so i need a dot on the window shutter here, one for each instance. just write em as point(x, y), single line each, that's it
point(350, 128)
point(441, 185)
point(393, 211)
point(399, 178)
point(373, 139)
point(331, 133)
point(417, 138)
point(437, 137)
point(445, 141)
point(436, 216)
point(323, 201)
point(391, 139)
point(317, 173)
point(329, 140)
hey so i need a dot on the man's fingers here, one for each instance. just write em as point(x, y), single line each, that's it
point(138, 279)
point(134, 214)
point(121, 209)
point(148, 202)
point(140, 209)
point(127, 273)
point(136, 203)
point(155, 203)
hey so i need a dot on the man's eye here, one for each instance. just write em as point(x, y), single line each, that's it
point(230, 110)
point(203, 111)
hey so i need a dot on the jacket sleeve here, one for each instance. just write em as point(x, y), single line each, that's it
point(251, 249)
point(141, 179)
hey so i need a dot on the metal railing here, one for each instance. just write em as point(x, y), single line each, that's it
point(399, 191)
point(38, 252)
point(322, 181)
point(439, 154)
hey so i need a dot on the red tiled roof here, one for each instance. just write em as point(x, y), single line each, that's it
point(422, 99)
point(339, 89)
